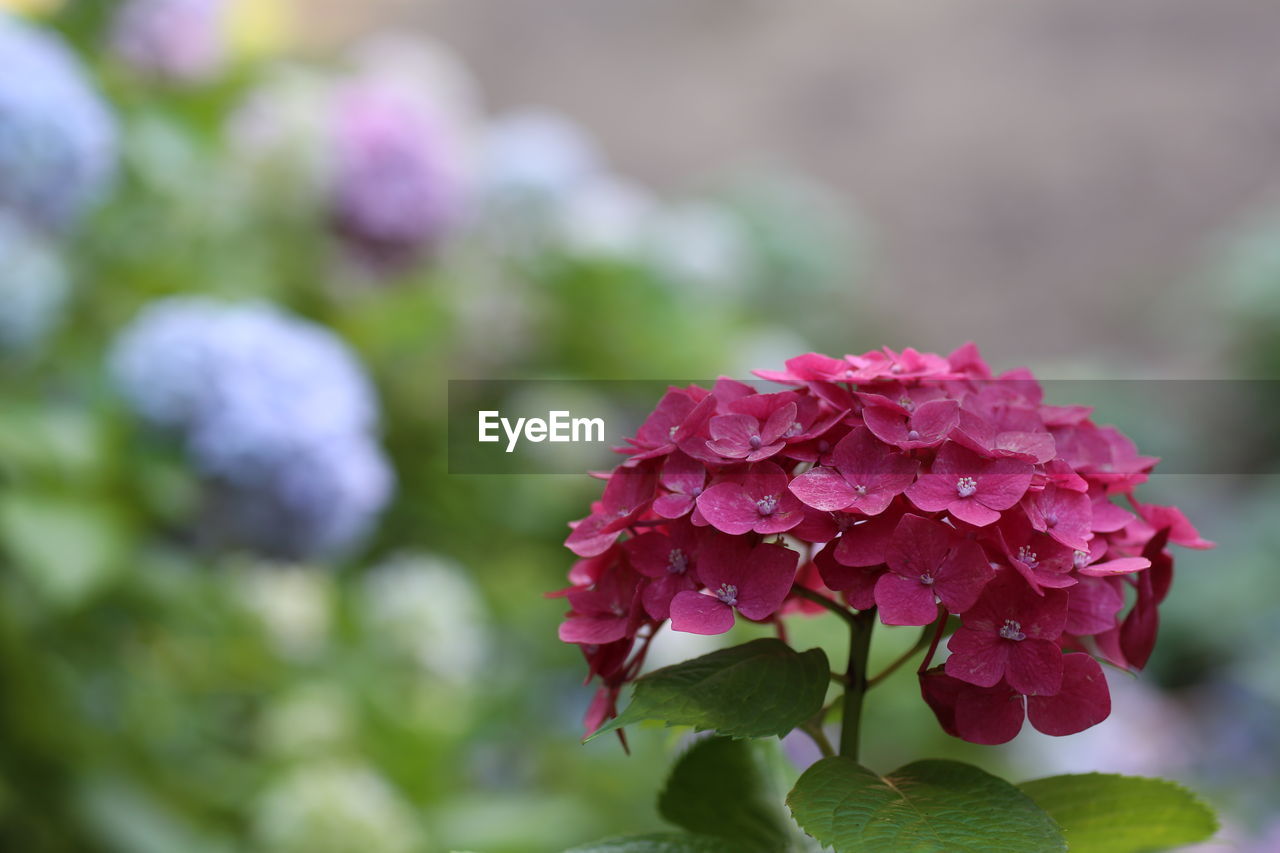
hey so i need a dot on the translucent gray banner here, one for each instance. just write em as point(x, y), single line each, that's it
point(567, 426)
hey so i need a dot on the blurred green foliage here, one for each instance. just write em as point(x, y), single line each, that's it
point(160, 696)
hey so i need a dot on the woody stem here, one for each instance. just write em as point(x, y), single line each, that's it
point(861, 625)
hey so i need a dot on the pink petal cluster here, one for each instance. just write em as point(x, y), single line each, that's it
point(918, 484)
point(399, 180)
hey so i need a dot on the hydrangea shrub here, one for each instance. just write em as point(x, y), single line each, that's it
point(58, 139)
point(275, 413)
point(907, 488)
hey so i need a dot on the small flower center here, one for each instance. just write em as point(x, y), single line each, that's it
point(907, 403)
point(966, 486)
point(728, 593)
point(913, 435)
point(677, 561)
point(926, 579)
point(755, 442)
point(1080, 559)
point(1051, 520)
point(671, 433)
point(795, 429)
point(860, 489)
point(1012, 630)
point(1027, 556)
point(767, 504)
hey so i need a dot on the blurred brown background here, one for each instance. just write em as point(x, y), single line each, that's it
point(1067, 160)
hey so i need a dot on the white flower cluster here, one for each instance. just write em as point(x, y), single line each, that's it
point(275, 412)
point(335, 807)
point(429, 609)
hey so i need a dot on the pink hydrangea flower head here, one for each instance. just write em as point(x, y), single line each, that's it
point(811, 367)
point(926, 425)
point(929, 564)
point(924, 487)
point(1063, 514)
point(1043, 561)
point(684, 478)
point(752, 581)
point(969, 487)
point(603, 612)
point(865, 476)
point(669, 559)
point(628, 494)
point(857, 583)
point(994, 715)
point(757, 500)
point(739, 436)
point(1011, 634)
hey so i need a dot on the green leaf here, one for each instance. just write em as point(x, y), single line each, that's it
point(925, 807)
point(1108, 813)
point(68, 549)
point(759, 689)
point(659, 842)
point(718, 788)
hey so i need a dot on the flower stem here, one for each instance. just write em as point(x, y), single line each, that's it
point(926, 635)
point(814, 730)
point(860, 628)
point(941, 627)
point(822, 601)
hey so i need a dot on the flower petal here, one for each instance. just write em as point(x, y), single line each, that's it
point(903, 601)
point(729, 508)
point(1034, 667)
point(1083, 701)
point(695, 613)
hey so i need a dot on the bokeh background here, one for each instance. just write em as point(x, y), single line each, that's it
point(244, 244)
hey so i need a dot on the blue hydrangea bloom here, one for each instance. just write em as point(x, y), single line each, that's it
point(275, 412)
point(57, 137)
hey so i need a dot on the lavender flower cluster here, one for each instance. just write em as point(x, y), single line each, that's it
point(178, 40)
point(275, 413)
